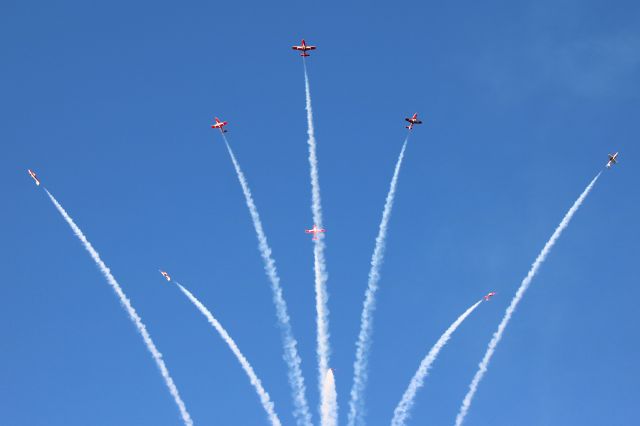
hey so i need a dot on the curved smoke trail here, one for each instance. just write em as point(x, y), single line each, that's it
point(267, 404)
point(473, 387)
point(363, 344)
point(402, 411)
point(133, 315)
point(319, 263)
point(329, 407)
point(291, 357)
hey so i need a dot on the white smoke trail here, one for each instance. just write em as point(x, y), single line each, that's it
point(360, 375)
point(329, 408)
point(133, 315)
point(291, 357)
point(402, 411)
point(267, 404)
point(473, 387)
point(319, 263)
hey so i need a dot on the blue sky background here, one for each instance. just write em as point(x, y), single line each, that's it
point(111, 104)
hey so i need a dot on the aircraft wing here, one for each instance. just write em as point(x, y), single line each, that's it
point(35, 178)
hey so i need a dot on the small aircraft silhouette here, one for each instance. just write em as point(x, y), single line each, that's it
point(489, 296)
point(412, 121)
point(613, 159)
point(304, 48)
point(315, 230)
point(220, 125)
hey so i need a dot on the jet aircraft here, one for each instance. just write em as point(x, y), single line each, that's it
point(304, 48)
point(613, 159)
point(489, 296)
point(220, 125)
point(33, 175)
point(315, 230)
point(412, 121)
point(165, 275)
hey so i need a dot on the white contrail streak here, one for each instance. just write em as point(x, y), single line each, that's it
point(473, 387)
point(267, 404)
point(402, 411)
point(329, 408)
point(133, 315)
point(363, 344)
point(291, 357)
point(319, 263)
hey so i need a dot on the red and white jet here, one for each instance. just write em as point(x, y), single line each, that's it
point(613, 159)
point(33, 175)
point(303, 46)
point(165, 275)
point(220, 125)
point(489, 296)
point(315, 230)
point(412, 121)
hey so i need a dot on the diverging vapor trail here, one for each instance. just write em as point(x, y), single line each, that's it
point(319, 263)
point(267, 404)
point(363, 344)
point(291, 357)
point(133, 315)
point(402, 411)
point(482, 368)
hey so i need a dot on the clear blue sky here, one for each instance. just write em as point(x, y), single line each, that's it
point(111, 104)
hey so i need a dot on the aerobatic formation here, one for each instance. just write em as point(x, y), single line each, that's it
point(328, 401)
